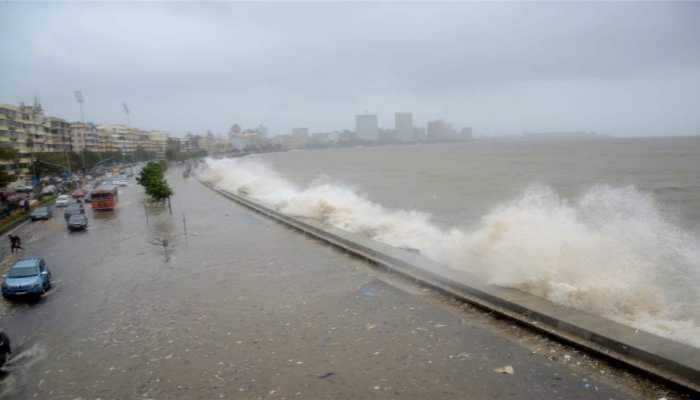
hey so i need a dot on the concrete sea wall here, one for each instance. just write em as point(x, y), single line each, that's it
point(662, 358)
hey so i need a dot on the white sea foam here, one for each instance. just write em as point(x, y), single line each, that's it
point(610, 251)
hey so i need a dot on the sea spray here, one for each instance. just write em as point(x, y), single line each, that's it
point(610, 251)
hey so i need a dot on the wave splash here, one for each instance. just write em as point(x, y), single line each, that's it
point(610, 251)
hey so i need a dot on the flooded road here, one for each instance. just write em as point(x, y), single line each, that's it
point(213, 301)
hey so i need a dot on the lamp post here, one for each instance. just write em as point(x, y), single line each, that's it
point(80, 99)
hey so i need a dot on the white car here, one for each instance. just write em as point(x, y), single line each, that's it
point(62, 200)
point(118, 182)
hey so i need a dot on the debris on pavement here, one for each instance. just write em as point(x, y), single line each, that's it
point(505, 370)
point(326, 375)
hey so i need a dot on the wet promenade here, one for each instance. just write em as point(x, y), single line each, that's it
point(213, 301)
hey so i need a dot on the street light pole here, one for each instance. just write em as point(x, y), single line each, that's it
point(80, 99)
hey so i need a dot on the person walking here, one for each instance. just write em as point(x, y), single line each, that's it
point(15, 243)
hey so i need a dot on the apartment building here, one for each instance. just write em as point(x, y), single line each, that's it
point(27, 130)
point(84, 136)
point(24, 129)
point(59, 137)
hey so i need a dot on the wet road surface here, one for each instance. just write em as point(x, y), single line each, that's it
point(213, 301)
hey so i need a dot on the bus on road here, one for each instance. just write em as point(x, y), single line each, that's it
point(105, 197)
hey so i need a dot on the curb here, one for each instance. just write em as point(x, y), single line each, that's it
point(662, 358)
point(14, 226)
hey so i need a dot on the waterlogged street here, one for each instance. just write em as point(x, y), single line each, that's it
point(214, 301)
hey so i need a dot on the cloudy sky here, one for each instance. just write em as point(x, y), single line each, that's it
point(625, 69)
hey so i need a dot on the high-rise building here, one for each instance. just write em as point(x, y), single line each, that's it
point(78, 133)
point(438, 130)
point(466, 133)
point(366, 127)
point(158, 143)
point(13, 135)
point(419, 133)
point(403, 125)
point(26, 130)
point(59, 139)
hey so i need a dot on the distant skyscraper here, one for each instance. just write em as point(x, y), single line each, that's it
point(438, 130)
point(403, 125)
point(419, 133)
point(366, 127)
point(466, 133)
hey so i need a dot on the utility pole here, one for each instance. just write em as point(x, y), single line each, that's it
point(128, 125)
point(128, 114)
point(79, 98)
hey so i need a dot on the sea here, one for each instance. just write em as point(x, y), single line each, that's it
point(609, 226)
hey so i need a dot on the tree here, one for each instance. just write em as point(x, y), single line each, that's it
point(153, 180)
point(160, 190)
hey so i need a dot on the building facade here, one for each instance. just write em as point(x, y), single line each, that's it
point(27, 130)
point(158, 143)
point(438, 130)
point(59, 138)
point(403, 125)
point(367, 127)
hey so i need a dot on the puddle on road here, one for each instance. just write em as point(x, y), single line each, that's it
point(15, 373)
point(163, 229)
point(105, 215)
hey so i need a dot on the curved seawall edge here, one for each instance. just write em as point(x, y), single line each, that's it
point(662, 358)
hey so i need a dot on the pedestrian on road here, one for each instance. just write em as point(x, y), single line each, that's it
point(15, 243)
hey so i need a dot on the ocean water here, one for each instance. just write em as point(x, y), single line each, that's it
point(611, 227)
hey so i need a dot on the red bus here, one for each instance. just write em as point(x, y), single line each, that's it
point(104, 197)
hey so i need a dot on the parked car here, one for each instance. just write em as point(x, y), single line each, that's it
point(24, 189)
point(49, 190)
point(41, 213)
point(62, 200)
point(5, 349)
point(79, 193)
point(27, 277)
point(77, 222)
point(73, 209)
point(5, 211)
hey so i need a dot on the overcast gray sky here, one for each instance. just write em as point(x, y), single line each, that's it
point(625, 69)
